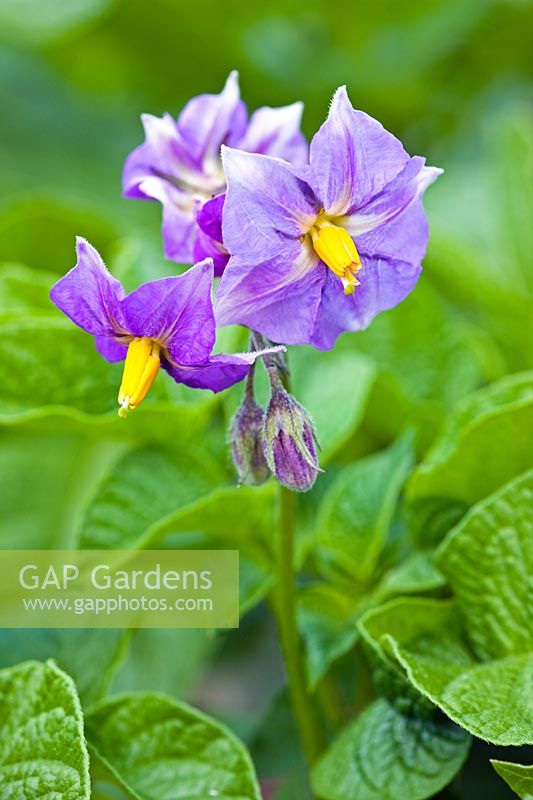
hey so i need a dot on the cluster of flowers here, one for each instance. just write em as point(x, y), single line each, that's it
point(308, 242)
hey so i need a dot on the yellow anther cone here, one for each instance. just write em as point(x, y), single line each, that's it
point(140, 368)
point(337, 249)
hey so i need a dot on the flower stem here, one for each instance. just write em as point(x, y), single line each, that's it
point(304, 711)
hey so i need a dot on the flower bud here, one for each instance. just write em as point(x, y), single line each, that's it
point(289, 440)
point(246, 442)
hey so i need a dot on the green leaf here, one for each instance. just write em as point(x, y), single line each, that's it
point(427, 359)
point(490, 700)
point(52, 370)
point(326, 620)
point(104, 784)
point(487, 429)
point(158, 747)
point(42, 507)
point(46, 361)
point(90, 657)
point(430, 518)
point(416, 574)
point(153, 493)
point(140, 491)
point(404, 620)
point(488, 560)
point(328, 614)
point(385, 755)
point(45, 508)
point(242, 515)
point(517, 776)
point(334, 388)
point(42, 746)
point(357, 510)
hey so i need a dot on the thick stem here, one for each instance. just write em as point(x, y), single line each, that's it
point(302, 704)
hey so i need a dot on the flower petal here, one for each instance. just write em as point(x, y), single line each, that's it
point(109, 349)
point(267, 206)
point(178, 228)
point(209, 217)
point(404, 238)
point(177, 312)
point(276, 132)
point(161, 169)
point(164, 154)
point(89, 294)
point(352, 157)
point(206, 247)
point(208, 242)
point(277, 297)
point(209, 120)
point(219, 371)
point(394, 224)
point(216, 374)
point(384, 284)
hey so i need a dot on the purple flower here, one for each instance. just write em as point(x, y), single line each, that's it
point(168, 323)
point(179, 163)
point(321, 249)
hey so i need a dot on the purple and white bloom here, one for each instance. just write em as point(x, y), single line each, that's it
point(179, 163)
point(166, 323)
point(321, 249)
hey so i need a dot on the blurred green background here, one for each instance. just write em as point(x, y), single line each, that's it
point(451, 78)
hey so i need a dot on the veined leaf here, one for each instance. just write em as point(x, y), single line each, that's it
point(357, 510)
point(490, 700)
point(42, 746)
point(385, 755)
point(52, 372)
point(416, 574)
point(327, 621)
point(328, 613)
point(46, 361)
point(483, 445)
point(154, 493)
point(489, 564)
point(488, 560)
point(157, 747)
point(517, 776)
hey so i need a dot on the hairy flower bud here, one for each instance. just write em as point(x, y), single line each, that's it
point(289, 441)
point(246, 441)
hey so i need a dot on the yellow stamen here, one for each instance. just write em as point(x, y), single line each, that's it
point(337, 249)
point(140, 368)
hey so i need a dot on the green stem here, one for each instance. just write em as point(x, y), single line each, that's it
point(302, 704)
point(331, 703)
